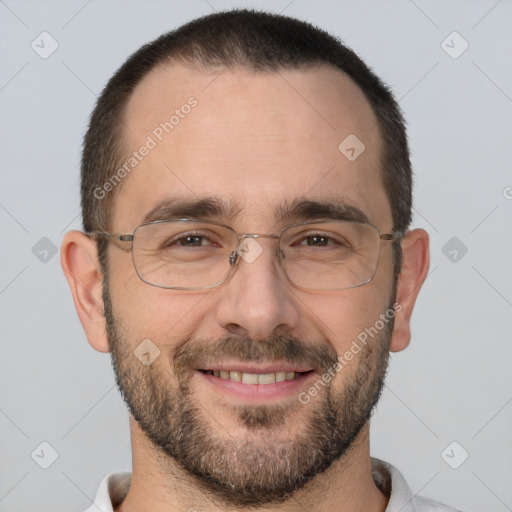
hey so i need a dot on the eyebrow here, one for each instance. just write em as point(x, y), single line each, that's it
point(215, 208)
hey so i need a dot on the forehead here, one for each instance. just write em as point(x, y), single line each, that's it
point(254, 140)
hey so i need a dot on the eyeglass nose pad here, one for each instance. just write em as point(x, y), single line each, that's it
point(234, 256)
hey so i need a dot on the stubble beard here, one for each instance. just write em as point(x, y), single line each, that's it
point(261, 469)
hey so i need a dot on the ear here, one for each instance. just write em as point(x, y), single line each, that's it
point(79, 260)
point(415, 263)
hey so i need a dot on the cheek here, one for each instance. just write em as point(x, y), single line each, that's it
point(355, 324)
point(166, 317)
point(343, 316)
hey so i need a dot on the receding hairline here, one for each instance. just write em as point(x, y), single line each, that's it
point(194, 66)
point(198, 67)
point(269, 43)
point(261, 40)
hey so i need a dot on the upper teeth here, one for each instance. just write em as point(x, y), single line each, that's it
point(253, 378)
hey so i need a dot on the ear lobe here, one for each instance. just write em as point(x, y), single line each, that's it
point(79, 261)
point(415, 264)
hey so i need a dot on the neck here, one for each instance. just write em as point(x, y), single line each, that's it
point(160, 485)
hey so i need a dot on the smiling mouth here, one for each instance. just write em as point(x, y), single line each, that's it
point(255, 378)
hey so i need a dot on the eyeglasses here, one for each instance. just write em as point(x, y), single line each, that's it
point(188, 254)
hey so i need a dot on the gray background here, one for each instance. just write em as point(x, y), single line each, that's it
point(454, 381)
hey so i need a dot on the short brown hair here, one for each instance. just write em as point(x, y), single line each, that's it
point(256, 41)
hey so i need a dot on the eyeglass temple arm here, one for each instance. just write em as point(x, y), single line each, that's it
point(116, 239)
point(392, 236)
point(110, 237)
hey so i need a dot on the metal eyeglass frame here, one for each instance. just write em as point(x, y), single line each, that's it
point(234, 257)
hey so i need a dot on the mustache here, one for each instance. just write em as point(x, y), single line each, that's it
point(283, 347)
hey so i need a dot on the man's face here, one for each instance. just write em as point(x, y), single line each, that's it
point(254, 141)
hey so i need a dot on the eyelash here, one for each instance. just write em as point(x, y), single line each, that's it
point(302, 238)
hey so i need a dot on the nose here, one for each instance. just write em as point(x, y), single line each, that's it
point(257, 299)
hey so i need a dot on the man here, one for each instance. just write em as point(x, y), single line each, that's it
point(246, 197)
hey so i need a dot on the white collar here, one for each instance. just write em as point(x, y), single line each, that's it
point(115, 486)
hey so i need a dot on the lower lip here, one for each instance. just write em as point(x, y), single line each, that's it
point(259, 392)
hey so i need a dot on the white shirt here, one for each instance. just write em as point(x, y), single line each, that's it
point(115, 486)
